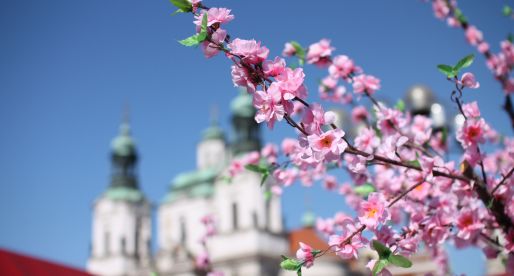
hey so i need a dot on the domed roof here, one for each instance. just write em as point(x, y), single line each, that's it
point(214, 132)
point(124, 194)
point(242, 105)
point(123, 144)
point(308, 219)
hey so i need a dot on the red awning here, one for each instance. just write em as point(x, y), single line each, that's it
point(15, 264)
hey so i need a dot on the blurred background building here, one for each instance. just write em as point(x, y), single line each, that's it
point(250, 234)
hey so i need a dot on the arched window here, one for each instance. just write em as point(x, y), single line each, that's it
point(235, 222)
point(123, 246)
point(255, 219)
point(107, 241)
point(183, 233)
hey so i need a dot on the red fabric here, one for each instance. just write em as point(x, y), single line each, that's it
point(14, 264)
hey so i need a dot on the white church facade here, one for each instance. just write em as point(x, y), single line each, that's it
point(250, 234)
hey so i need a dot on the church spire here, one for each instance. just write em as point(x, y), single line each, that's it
point(213, 132)
point(246, 129)
point(124, 157)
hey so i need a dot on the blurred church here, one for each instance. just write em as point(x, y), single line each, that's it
point(250, 234)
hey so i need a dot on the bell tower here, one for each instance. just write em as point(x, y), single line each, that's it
point(246, 130)
point(121, 232)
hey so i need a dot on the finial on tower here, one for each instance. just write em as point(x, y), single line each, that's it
point(214, 116)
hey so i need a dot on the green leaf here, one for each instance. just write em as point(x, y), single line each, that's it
point(382, 250)
point(507, 11)
point(290, 264)
point(399, 260)
point(264, 177)
point(445, 135)
point(447, 70)
point(414, 163)
point(379, 265)
point(463, 63)
point(253, 168)
point(460, 16)
point(300, 52)
point(203, 29)
point(183, 5)
point(177, 11)
point(315, 252)
point(365, 189)
point(190, 41)
point(400, 105)
point(510, 38)
point(299, 272)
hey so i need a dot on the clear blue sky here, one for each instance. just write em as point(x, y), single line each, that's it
point(67, 68)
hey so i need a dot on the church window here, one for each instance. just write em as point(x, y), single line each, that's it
point(234, 216)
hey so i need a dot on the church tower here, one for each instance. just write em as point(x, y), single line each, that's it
point(121, 233)
point(250, 231)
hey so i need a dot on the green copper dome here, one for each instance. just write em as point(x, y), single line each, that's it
point(308, 219)
point(213, 133)
point(242, 105)
point(188, 179)
point(124, 193)
point(123, 144)
point(199, 183)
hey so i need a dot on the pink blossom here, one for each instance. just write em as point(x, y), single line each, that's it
point(236, 167)
point(215, 15)
point(211, 49)
point(268, 105)
point(441, 9)
point(305, 255)
point(359, 114)
point(289, 146)
point(285, 177)
point(374, 211)
point(473, 35)
point(365, 83)
point(290, 83)
point(472, 132)
point(471, 110)
point(328, 145)
point(195, 4)
point(356, 163)
point(436, 229)
point(330, 182)
point(468, 80)
point(384, 272)
point(342, 220)
point(276, 190)
point(421, 191)
point(274, 68)
point(325, 226)
point(389, 120)
point(249, 50)
point(421, 129)
point(327, 84)
point(483, 47)
point(469, 224)
point(215, 273)
point(314, 118)
point(270, 152)
point(347, 249)
point(391, 145)
point(367, 140)
point(319, 53)
point(241, 77)
point(342, 67)
point(202, 260)
point(289, 50)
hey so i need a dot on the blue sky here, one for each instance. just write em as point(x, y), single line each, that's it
point(68, 67)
